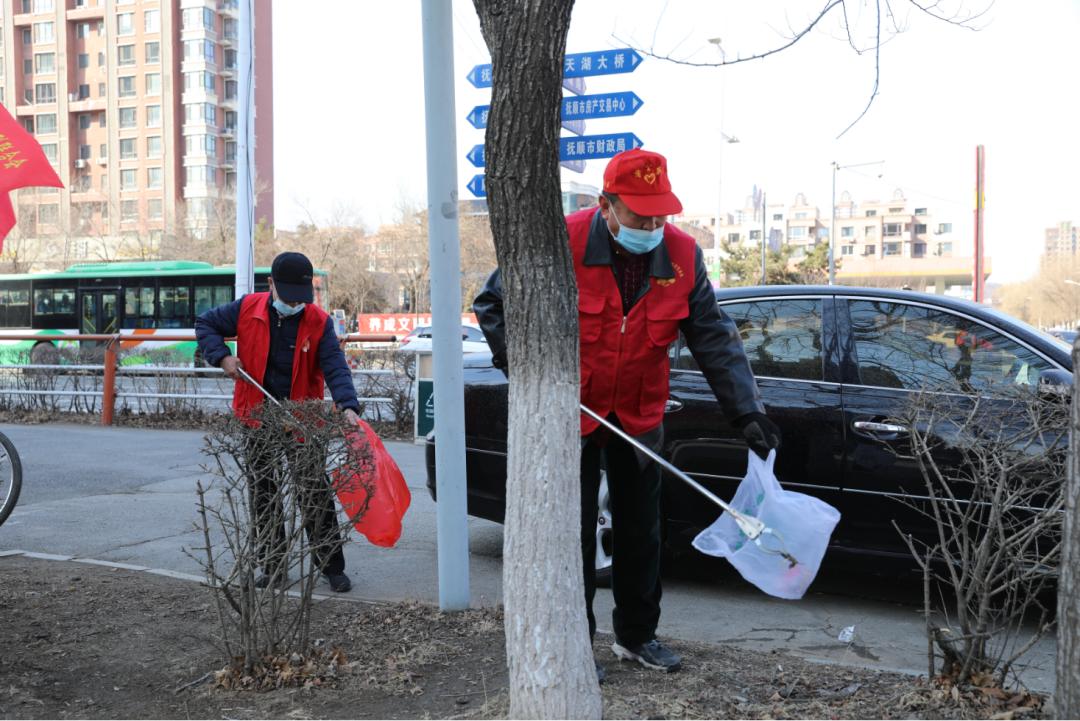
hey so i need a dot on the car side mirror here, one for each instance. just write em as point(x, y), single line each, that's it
point(1055, 382)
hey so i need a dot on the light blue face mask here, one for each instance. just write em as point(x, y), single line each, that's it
point(635, 240)
point(285, 310)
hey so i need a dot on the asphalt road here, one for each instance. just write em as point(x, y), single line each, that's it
point(128, 495)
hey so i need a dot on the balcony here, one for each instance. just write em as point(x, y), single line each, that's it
point(86, 12)
point(84, 105)
point(230, 8)
point(228, 131)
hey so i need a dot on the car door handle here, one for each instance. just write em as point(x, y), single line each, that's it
point(874, 427)
point(672, 405)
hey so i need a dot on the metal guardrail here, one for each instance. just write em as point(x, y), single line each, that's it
point(109, 369)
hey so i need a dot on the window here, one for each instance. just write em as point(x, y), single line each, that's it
point(892, 230)
point(918, 250)
point(139, 307)
point(84, 152)
point(45, 93)
point(27, 37)
point(46, 63)
point(201, 80)
point(84, 60)
point(44, 32)
point(154, 177)
point(912, 347)
point(230, 120)
point(847, 250)
point(103, 153)
point(129, 179)
point(870, 250)
point(128, 118)
point(175, 310)
point(101, 90)
point(211, 296)
point(152, 21)
point(894, 211)
point(80, 184)
point(128, 151)
point(154, 209)
point(101, 120)
point(847, 232)
point(28, 66)
point(153, 146)
point(49, 149)
point(782, 338)
point(125, 54)
point(944, 249)
point(920, 229)
point(27, 123)
point(153, 52)
point(129, 211)
point(871, 213)
point(125, 24)
point(231, 89)
point(202, 174)
point(153, 116)
point(101, 58)
point(754, 234)
point(83, 92)
point(49, 213)
point(46, 124)
point(54, 300)
point(44, 6)
point(229, 28)
point(801, 215)
point(890, 248)
point(126, 86)
point(733, 237)
point(230, 59)
point(209, 51)
point(920, 211)
point(797, 232)
point(153, 83)
point(944, 228)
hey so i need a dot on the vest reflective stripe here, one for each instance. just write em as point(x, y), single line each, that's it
point(624, 361)
point(253, 350)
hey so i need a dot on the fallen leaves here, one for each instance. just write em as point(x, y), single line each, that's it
point(292, 670)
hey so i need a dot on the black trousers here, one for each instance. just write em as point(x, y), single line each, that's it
point(314, 495)
point(634, 491)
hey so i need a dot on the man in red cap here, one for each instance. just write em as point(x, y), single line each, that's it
point(640, 282)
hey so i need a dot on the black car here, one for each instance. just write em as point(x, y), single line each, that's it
point(834, 364)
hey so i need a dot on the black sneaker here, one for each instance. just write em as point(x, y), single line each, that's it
point(339, 582)
point(652, 654)
point(601, 674)
point(263, 580)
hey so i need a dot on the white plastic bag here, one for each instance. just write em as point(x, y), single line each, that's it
point(803, 522)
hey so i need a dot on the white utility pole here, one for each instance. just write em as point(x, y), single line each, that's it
point(452, 532)
point(245, 151)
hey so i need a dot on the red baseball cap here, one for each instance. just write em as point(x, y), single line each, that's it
point(640, 179)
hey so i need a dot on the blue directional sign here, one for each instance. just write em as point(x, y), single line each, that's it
point(577, 166)
point(574, 85)
point(478, 116)
point(604, 105)
point(476, 186)
point(476, 155)
point(590, 147)
point(587, 147)
point(577, 127)
point(576, 65)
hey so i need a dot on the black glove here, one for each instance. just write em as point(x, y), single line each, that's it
point(761, 434)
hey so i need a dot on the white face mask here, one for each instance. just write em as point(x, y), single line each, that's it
point(284, 309)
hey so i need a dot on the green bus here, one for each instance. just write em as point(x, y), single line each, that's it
point(139, 299)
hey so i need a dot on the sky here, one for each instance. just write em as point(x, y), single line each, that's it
point(349, 143)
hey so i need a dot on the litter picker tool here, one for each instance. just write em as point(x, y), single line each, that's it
point(765, 538)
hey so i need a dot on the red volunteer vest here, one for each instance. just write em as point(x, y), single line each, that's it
point(624, 360)
point(253, 350)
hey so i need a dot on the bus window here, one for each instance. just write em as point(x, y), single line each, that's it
point(211, 296)
point(15, 306)
point(138, 307)
point(54, 301)
point(175, 307)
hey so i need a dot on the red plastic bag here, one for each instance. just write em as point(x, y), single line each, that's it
point(371, 488)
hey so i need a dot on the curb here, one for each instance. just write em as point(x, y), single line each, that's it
point(192, 578)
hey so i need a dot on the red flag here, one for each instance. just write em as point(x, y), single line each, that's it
point(22, 164)
point(371, 488)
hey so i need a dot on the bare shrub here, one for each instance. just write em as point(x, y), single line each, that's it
point(993, 467)
point(270, 510)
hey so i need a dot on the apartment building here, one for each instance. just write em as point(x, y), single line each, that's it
point(135, 104)
point(1061, 241)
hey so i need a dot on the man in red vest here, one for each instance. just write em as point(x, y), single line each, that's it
point(640, 282)
point(288, 344)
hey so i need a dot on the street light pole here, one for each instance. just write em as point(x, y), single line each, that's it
point(723, 139)
point(832, 215)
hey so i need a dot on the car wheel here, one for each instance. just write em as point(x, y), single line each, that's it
point(604, 538)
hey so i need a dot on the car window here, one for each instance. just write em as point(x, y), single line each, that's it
point(470, 333)
point(782, 337)
point(913, 347)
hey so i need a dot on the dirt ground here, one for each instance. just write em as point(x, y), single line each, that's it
point(84, 641)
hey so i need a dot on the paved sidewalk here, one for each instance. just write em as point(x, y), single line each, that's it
point(127, 495)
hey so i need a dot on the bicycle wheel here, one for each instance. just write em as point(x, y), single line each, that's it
point(10, 477)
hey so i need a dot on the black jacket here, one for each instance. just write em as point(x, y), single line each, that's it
point(710, 334)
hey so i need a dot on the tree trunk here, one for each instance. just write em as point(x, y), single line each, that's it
point(547, 640)
point(1067, 698)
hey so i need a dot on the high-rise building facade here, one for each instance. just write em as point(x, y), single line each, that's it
point(1061, 241)
point(135, 104)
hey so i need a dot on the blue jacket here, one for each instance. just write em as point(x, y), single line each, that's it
point(217, 324)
